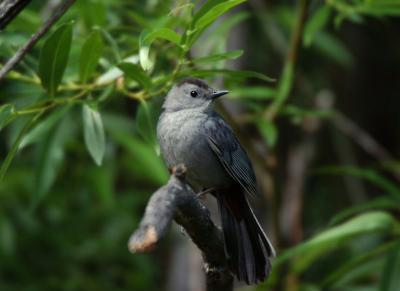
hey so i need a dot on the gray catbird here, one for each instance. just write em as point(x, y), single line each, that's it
point(190, 132)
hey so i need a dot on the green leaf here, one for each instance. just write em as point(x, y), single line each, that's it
point(223, 29)
point(214, 12)
point(93, 12)
point(367, 174)
point(311, 250)
point(50, 154)
point(295, 111)
point(136, 73)
point(14, 149)
point(355, 262)
point(374, 204)
point(351, 281)
point(228, 73)
point(316, 23)
point(227, 23)
point(8, 236)
point(43, 128)
point(144, 162)
point(210, 11)
point(102, 180)
point(146, 39)
point(94, 133)
point(6, 112)
point(114, 73)
point(54, 57)
point(112, 44)
point(390, 279)
point(269, 131)
point(254, 92)
point(219, 57)
point(91, 52)
point(208, 5)
point(146, 120)
point(334, 49)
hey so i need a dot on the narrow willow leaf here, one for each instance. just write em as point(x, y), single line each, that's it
point(50, 155)
point(144, 162)
point(219, 57)
point(367, 223)
point(334, 49)
point(254, 92)
point(207, 6)
point(91, 52)
point(112, 44)
point(214, 12)
point(39, 131)
point(146, 120)
point(136, 73)
point(375, 204)
point(114, 73)
point(379, 9)
point(228, 73)
point(54, 57)
point(226, 25)
point(269, 131)
point(148, 36)
point(367, 174)
point(10, 155)
point(354, 263)
point(94, 133)
point(296, 111)
point(8, 236)
point(316, 23)
point(390, 279)
point(93, 13)
point(205, 17)
point(6, 112)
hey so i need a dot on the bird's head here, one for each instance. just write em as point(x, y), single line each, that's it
point(191, 93)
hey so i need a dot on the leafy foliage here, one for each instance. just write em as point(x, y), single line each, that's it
point(93, 89)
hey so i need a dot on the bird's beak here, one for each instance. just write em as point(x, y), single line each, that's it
point(217, 94)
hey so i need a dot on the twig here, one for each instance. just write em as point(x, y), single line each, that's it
point(364, 140)
point(32, 41)
point(176, 200)
point(361, 137)
point(9, 9)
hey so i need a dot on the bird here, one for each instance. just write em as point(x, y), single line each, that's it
point(192, 133)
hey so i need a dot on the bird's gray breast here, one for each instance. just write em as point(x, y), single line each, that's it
point(183, 140)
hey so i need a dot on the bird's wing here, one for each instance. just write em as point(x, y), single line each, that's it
point(230, 153)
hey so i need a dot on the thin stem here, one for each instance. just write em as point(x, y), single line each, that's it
point(35, 38)
point(7, 161)
point(287, 78)
point(47, 105)
point(10, 9)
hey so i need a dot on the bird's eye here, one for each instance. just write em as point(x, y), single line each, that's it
point(193, 94)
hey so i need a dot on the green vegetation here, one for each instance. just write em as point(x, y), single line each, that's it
point(79, 155)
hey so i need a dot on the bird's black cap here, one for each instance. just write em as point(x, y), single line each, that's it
point(194, 81)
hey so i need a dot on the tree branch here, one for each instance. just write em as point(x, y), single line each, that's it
point(9, 9)
point(177, 201)
point(33, 40)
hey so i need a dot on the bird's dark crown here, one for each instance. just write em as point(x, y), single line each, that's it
point(194, 81)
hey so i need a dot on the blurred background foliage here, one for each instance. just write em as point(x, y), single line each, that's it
point(314, 99)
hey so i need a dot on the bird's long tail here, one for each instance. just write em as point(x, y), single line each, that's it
point(246, 244)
